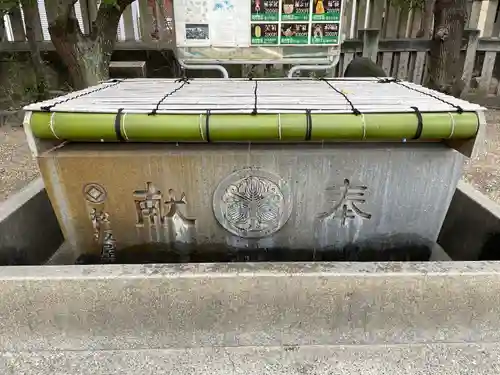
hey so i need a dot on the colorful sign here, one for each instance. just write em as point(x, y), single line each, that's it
point(294, 33)
point(243, 23)
point(324, 33)
point(298, 22)
point(265, 10)
point(265, 33)
point(295, 10)
point(326, 10)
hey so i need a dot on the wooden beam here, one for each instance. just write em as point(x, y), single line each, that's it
point(128, 23)
point(418, 70)
point(404, 58)
point(487, 17)
point(145, 20)
point(16, 21)
point(85, 16)
point(37, 24)
point(470, 58)
point(370, 38)
point(487, 71)
point(387, 62)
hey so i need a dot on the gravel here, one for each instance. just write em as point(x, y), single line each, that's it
point(17, 166)
point(483, 171)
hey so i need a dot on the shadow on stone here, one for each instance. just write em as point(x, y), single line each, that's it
point(491, 248)
point(409, 248)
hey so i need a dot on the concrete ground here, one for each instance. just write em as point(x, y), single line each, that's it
point(17, 167)
point(483, 172)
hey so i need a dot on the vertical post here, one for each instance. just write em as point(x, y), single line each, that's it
point(485, 25)
point(128, 23)
point(487, 72)
point(474, 14)
point(487, 17)
point(470, 57)
point(387, 62)
point(404, 58)
point(377, 9)
point(393, 16)
point(418, 70)
point(37, 23)
point(370, 39)
point(88, 9)
point(145, 20)
point(409, 23)
point(352, 30)
point(3, 32)
point(403, 14)
point(16, 21)
point(360, 15)
point(84, 8)
point(346, 19)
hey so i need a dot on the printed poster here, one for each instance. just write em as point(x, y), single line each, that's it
point(265, 10)
point(326, 10)
point(325, 33)
point(243, 23)
point(295, 10)
point(265, 33)
point(294, 33)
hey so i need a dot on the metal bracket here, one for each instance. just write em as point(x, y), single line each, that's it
point(295, 69)
point(298, 68)
point(220, 68)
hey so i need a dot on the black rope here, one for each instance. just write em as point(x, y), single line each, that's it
point(207, 125)
point(308, 125)
point(114, 82)
point(254, 111)
point(420, 124)
point(184, 78)
point(397, 81)
point(118, 128)
point(184, 82)
point(353, 109)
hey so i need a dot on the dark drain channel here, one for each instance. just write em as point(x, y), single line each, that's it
point(159, 253)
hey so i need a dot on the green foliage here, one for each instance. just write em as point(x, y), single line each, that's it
point(7, 5)
point(110, 3)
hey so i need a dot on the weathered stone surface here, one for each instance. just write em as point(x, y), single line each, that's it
point(335, 194)
point(186, 306)
point(29, 232)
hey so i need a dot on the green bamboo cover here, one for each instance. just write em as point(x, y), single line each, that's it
point(287, 127)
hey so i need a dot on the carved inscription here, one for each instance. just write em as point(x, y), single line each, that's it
point(164, 220)
point(346, 202)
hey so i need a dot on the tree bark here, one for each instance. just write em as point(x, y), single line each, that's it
point(426, 21)
point(87, 57)
point(445, 70)
point(31, 18)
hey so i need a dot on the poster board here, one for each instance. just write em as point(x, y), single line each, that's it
point(250, 30)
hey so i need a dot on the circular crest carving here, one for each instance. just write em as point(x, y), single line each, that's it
point(252, 203)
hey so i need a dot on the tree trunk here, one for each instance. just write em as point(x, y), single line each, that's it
point(87, 57)
point(445, 70)
point(80, 54)
point(31, 18)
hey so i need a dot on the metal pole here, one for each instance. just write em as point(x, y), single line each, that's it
point(220, 68)
point(298, 68)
